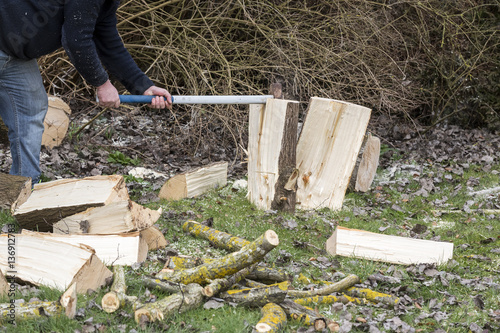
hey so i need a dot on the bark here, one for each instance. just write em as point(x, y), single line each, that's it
point(257, 297)
point(117, 297)
point(218, 238)
point(304, 315)
point(226, 265)
point(14, 191)
point(273, 319)
point(218, 285)
point(372, 296)
point(330, 299)
point(171, 305)
point(345, 283)
point(164, 285)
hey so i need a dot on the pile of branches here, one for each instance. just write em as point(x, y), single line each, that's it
point(429, 60)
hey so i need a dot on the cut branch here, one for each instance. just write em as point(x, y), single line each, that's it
point(372, 296)
point(257, 297)
point(218, 285)
point(218, 238)
point(273, 319)
point(117, 297)
point(345, 283)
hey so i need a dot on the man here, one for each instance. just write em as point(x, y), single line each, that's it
point(87, 31)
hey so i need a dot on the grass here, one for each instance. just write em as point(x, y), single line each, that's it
point(458, 294)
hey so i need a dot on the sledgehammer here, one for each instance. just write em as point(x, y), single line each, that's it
point(231, 99)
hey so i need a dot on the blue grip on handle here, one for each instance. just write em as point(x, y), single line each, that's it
point(142, 99)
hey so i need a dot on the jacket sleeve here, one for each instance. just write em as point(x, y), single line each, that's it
point(115, 56)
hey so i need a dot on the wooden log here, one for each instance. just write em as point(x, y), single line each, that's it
point(219, 285)
point(154, 238)
point(366, 166)
point(345, 283)
point(330, 299)
point(228, 264)
point(117, 296)
point(4, 285)
point(304, 315)
point(218, 238)
point(10, 312)
point(257, 297)
point(273, 319)
point(14, 191)
point(44, 261)
point(272, 142)
point(52, 201)
point(327, 150)
point(114, 218)
point(195, 182)
point(171, 305)
point(372, 296)
point(56, 122)
point(122, 249)
point(164, 285)
point(392, 249)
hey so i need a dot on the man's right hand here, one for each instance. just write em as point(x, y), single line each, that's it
point(108, 95)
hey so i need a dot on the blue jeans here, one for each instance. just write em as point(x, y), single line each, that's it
point(23, 105)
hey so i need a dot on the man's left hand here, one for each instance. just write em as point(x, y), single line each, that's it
point(162, 100)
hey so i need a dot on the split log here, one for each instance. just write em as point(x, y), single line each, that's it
point(304, 315)
point(52, 201)
point(117, 296)
point(66, 305)
point(219, 285)
point(14, 191)
point(114, 218)
point(4, 285)
point(257, 297)
point(327, 150)
point(168, 306)
point(122, 249)
point(45, 261)
point(273, 319)
point(195, 182)
point(56, 122)
point(218, 238)
point(392, 249)
point(154, 238)
point(345, 283)
point(228, 264)
point(372, 296)
point(366, 164)
point(272, 142)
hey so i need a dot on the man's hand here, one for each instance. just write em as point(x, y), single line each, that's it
point(159, 102)
point(108, 95)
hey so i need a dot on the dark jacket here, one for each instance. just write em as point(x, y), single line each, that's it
point(85, 28)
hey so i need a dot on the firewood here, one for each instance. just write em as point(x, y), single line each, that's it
point(372, 296)
point(154, 238)
point(195, 182)
point(218, 285)
point(14, 191)
point(56, 122)
point(171, 305)
point(38, 309)
point(114, 218)
point(273, 319)
point(272, 142)
point(122, 249)
point(117, 296)
point(257, 297)
point(228, 264)
point(304, 315)
point(55, 264)
point(327, 150)
point(330, 299)
point(387, 248)
point(164, 285)
point(4, 285)
point(345, 283)
point(366, 165)
point(52, 201)
point(218, 238)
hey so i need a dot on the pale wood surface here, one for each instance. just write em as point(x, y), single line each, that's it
point(114, 218)
point(56, 122)
point(14, 191)
point(154, 238)
point(56, 264)
point(122, 249)
point(50, 202)
point(195, 182)
point(68, 301)
point(265, 143)
point(366, 165)
point(327, 150)
point(393, 249)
